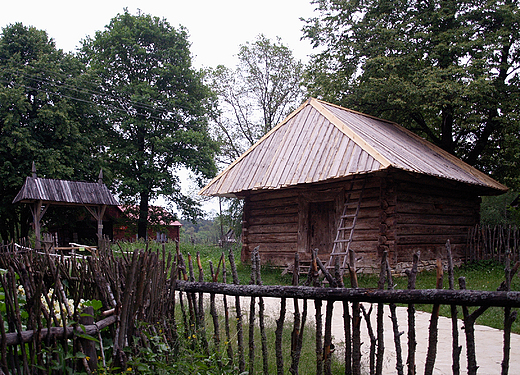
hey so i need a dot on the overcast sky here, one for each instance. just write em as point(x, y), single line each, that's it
point(216, 27)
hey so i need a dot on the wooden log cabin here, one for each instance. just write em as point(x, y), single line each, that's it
point(336, 180)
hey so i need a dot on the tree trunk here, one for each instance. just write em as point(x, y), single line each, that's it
point(142, 223)
point(447, 143)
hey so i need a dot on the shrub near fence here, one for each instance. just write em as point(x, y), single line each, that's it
point(158, 307)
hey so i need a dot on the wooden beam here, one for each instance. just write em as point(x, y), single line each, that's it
point(406, 296)
point(38, 212)
point(98, 212)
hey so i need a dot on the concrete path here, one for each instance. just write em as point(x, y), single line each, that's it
point(489, 341)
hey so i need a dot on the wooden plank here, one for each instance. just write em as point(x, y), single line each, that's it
point(323, 167)
point(273, 237)
point(273, 219)
point(289, 228)
point(320, 152)
point(434, 219)
point(309, 147)
point(281, 210)
point(291, 157)
point(345, 150)
point(275, 202)
point(277, 160)
point(259, 195)
point(250, 172)
point(425, 229)
point(353, 165)
point(349, 132)
point(312, 151)
point(435, 198)
point(303, 148)
point(438, 208)
point(431, 239)
point(268, 158)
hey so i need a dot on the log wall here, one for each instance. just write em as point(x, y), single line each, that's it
point(278, 221)
point(429, 212)
point(400, 213)
point(271, 222)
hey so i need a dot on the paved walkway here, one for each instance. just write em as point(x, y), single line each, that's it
point(489, 341)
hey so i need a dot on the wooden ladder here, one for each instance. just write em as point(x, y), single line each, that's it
point(347, 224)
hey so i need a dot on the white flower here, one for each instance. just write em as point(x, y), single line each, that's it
point(21, 290)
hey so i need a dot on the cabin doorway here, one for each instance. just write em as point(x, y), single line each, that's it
point(321, 227)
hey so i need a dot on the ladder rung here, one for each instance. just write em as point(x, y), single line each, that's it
point(338, 241)
point(347, 216)
point(346, 228)
point(334, 254)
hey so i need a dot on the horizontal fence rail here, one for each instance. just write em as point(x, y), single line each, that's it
point(405, 296)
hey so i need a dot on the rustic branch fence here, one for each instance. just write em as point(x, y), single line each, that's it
point(493, 242)
point(159, 289)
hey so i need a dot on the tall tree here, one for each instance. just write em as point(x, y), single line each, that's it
point(45, 117)
point(253, 97)
point(256, 95)
point(157, 104)
point(448, 70)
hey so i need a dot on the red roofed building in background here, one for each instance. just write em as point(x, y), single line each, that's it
point(162, 225)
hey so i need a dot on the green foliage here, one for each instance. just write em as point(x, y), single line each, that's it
point(204, 232)
point(497, 210)
point(45, 116)
point(446, 70)
point(255, 96)
point(157, 104)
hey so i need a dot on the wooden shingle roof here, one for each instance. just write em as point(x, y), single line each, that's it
point(64, 192)
point(321, 141)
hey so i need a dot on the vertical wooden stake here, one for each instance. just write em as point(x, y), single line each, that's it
point(380, 312)
point(456, 348)
point(226, 311)
point(373, 339)
point(393, 315)
point(261, 307)
point(240, 332)
point(356, 319)
point(412, 342)
point(433, 329)
point(319, 329)
point(252, 316)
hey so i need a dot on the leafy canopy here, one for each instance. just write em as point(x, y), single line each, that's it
point(448, 70)
point(156, 103)
point(45, 116)
point(255, 96)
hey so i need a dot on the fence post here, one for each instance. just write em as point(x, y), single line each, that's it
point(89, 347)
point(412, 342)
